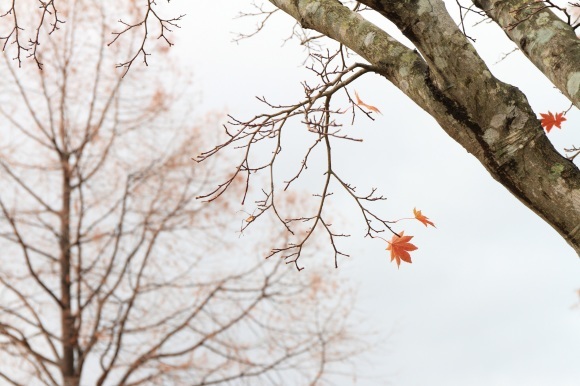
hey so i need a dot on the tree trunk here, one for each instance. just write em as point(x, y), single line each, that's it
point(67, 318)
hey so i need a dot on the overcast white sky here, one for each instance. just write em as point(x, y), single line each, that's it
point(489, 297)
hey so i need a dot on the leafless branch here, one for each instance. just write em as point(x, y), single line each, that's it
point(151, 16)
point(318, 116)
point(261, 14)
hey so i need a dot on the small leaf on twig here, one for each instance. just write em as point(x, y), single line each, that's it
point(424, 219)
point(362, 104)
point(400, 248)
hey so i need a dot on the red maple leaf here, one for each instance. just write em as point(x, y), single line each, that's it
point(550, 120)
point(424, 219)
point(400, 247)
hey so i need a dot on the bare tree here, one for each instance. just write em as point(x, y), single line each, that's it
point(112, 273)
point(27, 23)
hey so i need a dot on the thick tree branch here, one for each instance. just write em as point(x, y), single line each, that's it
point(490, 119)
point(549, 43)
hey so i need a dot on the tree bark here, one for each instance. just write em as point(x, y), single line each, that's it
point(69, 343)
point(545, 39)
point(489, 118)
point(67, 318)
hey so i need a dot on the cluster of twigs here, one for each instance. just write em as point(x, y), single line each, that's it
point(147, 23)
point(316, 112)
point(49, 15)
point(572, 152)
point(151, 16)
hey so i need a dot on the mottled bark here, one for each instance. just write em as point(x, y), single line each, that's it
point(489, 118)
point(545, 39)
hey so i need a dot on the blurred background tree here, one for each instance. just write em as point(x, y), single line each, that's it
point(112, 273)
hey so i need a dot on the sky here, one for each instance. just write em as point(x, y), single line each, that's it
point(489, 298)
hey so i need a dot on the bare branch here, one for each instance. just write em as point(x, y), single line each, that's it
point(316, 113)
point(151, 16)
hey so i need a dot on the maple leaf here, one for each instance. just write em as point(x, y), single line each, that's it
point(362, 104)
point(424, 219)
point(400, 248)
point(550, 120)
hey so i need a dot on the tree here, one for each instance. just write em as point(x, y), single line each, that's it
point(445, 76)
point(113, 274)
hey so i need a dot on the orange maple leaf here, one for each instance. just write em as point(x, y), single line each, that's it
point(550, 120)
point(424, 219)
point(400, 247)
point(362, 104)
